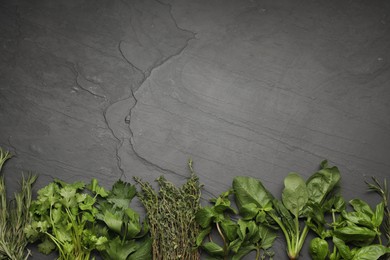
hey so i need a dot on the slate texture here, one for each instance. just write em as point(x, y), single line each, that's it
point(111, 89)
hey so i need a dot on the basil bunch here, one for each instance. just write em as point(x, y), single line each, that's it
point(355, 234)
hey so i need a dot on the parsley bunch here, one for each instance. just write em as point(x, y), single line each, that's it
point(63, 220)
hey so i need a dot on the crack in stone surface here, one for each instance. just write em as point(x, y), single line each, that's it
point(76, 73)
point(145, 75)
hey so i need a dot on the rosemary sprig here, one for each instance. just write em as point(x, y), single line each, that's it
point(171, 215)
point(14, 216)
point(384, 193)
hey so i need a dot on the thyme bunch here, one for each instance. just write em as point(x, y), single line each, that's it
point(14, 216)
point(171, 215)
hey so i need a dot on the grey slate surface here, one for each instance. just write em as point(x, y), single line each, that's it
point(111, 89)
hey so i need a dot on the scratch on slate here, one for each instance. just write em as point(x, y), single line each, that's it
point(145, 76)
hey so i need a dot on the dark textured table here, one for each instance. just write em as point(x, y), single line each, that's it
point(112, 89)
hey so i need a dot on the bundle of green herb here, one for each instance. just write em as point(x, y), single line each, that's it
point(240, 233)
point(14, 216)
point(171, 216)
point(300, 201)
point(384, 193)
point(63, 220)
point(120, 224)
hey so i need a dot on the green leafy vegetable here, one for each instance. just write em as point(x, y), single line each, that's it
point(119, 223)
point(319, 249)
point(240, 233)
point(300, 200)
point(63, 220)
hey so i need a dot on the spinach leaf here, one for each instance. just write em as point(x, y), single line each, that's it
point(322, 183)
point(295, 194)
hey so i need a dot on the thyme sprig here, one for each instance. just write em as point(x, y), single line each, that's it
point(171, 215)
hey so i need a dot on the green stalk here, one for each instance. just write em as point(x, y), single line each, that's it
point(223, 239)
point(285, 232)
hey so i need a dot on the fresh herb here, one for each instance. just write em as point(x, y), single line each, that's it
point(171, 215)
point(299, 202)
point(14, 216)
point(240, 234)
point(354, 234)
point(63, 220)
point(384, 192)
point(120, 224)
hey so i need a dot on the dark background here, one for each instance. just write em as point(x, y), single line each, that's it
point(112, 89)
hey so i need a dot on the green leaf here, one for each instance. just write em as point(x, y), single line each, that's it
point(250, 190)
point(371, 252)
point(235, 245)
point(68, 194)
point(246, 229)
point(46, 246)
point(268, 237)
point(213, 249)
point(321, 183)
point(339, 204)
point(249, 211)
point(144, 251)
point(205, 216)
point(203, 233)
point(362, 206)
point(358, 218)
point(229, 229)
point(355, 233)
point(295, 195)
point(377, 218)
point(286, 218)
point(121, 194)
point(243, 251)
point(116, 249)
point(114, 221)
point(97, 189)
point(78, 185)
point(87, 203)
point(344, 250)
point(318, 249)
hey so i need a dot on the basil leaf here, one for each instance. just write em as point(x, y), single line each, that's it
point(358, 218)
point(295, 195)
point(371, 252)
point(377, 218)
point(355, 233)
point(344, 250)
point(362, 206)
point(318, 249)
